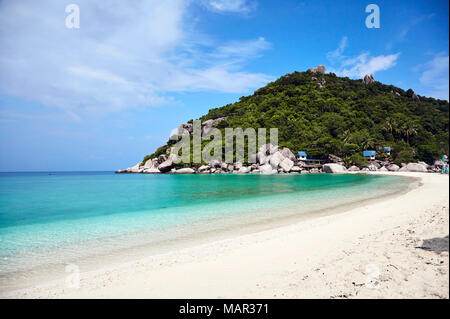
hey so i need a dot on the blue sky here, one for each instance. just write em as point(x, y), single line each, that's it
point(102, 96)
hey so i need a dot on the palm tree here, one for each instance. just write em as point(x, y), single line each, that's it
point(390, 125)
point(409, 129)
point(346, 136)
point(368, 142)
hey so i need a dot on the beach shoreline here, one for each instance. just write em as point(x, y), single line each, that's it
point(330, 256)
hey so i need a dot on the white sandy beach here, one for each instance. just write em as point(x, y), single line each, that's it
point(393, 248)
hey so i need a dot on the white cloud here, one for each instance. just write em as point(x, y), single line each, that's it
point(239, 6)
point(123, 56)
point(435, 76)
point(336, 55)
point(360, 65)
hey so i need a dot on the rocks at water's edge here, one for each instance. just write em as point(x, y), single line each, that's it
point(416, 167)
point(393, 168)
point(272, 160)
point(334, 168)
point(186, 170)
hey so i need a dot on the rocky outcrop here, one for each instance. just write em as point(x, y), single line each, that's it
point(286, 165)
point(416, 167)
point(268, 149)
point(186, 170)
point(368, 79)
point(334, 168)
point(152, 170)
point(185, 128)
point(207, 125)
point(393, 168)
point(415, 97)
point(335, 159)
point(203, 168)
point(266, 169)
point(295, 169)
point(276, 159)
point(135, 168)
point(320, 83)
point(318, 69)
point(288, 154)
point(244, 169)
point(165, 166)
point(353, 169)
point(383, 169)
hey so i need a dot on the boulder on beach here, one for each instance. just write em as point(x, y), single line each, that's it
point(287, 153)
point(276, 159)
point(186, 170)
point(383, 169)
point(266, 169)
point(203, 168)
point(244, 169)
point(165, 166)
point(268, 149)
point(296, 169)
point(416, 167)
point(353, 169)
point(215, 164)
point(151, 170)
point(393, 168)
point(286, 165)
point(334, 168)
point(262, 158)
point(135, 168)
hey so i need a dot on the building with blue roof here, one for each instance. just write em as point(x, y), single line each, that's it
point(302, 155)
point(369, 154)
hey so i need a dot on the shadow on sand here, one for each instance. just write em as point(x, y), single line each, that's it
point(437, 245)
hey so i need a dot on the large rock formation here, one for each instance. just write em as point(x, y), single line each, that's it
point(393, 168)
point(286, 165)
point(415, 97)
point(207, 125)
point(165, 166)
point(288, 154)
point(368, 79)
point(318, 69)
point(186, 170)
point(185, 128)
point(268, 149)
point(152, 170)
point(416, 167)
point(353, 169)
point(334, 168)
point(266, 169)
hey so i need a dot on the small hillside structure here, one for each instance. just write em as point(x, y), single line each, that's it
point(369, 154)
point(302, 156)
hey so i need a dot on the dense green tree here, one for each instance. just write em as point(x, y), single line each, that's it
point(344, 118)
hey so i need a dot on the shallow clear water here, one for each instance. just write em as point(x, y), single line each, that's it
point(54, 218)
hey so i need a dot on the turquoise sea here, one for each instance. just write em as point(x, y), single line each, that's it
point(49, 219)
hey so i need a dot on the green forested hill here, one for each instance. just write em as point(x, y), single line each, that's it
point(342, 118)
